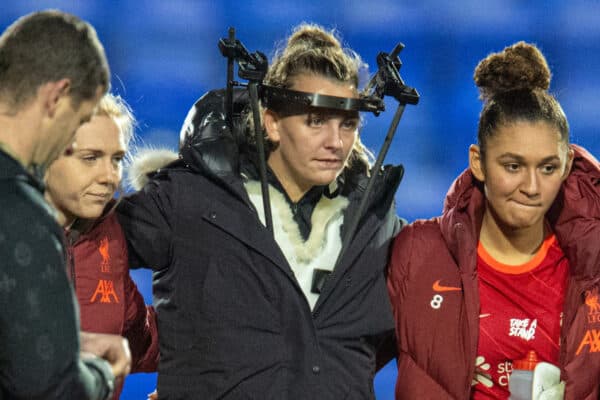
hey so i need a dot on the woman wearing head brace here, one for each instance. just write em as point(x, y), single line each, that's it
point(509, 271)
point(81, 185)
point(244, 313)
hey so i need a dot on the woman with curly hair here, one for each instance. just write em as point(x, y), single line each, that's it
point(513, 263)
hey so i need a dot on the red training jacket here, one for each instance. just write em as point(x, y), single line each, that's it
point(432, 281)
point(109, 299)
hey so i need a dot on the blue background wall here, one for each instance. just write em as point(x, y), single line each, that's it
point(164, 55)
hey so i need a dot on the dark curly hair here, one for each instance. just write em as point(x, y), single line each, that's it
point(513, 85)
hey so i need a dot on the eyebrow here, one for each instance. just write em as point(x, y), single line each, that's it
point(346, 114)
point(521, 159)
point(96, 151)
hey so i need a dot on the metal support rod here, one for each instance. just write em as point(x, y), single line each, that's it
point(353, 224)
point(229, 91)
point(262, 162)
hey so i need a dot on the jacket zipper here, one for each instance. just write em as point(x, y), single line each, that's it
point(71, 262)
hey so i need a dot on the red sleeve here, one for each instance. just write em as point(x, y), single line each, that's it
point(140, 329)
point(396, 270)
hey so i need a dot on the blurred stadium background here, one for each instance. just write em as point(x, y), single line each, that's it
point(164, 55)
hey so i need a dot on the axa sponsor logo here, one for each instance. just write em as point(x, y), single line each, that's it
point(106, 291)
point(590, 342)
point(593, 304)
point(103, 250)
point(591, 339)
point(523, 328)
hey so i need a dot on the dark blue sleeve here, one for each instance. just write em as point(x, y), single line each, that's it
point(146, 218)
point(39, 326)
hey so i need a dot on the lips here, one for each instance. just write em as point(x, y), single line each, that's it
point(100, 196)
point(330, 162)
point(532, 205)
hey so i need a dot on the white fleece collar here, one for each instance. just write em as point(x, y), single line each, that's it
point(323, 245)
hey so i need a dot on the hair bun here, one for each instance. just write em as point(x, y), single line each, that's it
point(518, 67)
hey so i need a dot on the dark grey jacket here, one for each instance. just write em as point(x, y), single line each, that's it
point(233, 321)
point(39, 326)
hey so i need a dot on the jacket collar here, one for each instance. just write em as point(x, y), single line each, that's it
point(13, 169)
point(573, 217)
point(461, 219)
point(81, 227)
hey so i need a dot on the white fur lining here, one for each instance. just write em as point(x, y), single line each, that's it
point(324, 243)
point(145, 161)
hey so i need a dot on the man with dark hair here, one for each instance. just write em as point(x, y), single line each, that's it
point(53, 71)
point(45, 47)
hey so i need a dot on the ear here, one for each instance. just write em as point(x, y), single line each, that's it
point(271, 121)
point(53, 92)
point(476, 163)
point(569, 165)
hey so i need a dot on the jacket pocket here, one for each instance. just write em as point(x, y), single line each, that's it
point(415, 383)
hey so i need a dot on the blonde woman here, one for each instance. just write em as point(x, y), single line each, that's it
point(81, 185)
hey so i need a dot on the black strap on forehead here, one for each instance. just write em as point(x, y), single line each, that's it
point(287, 100)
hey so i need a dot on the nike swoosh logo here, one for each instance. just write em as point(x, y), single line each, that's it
point(439, 288)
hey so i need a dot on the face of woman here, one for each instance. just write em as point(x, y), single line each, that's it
point(81, 182)
point(524, 167)
point(312, 148)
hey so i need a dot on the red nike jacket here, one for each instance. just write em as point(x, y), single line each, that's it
point(437, 343)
